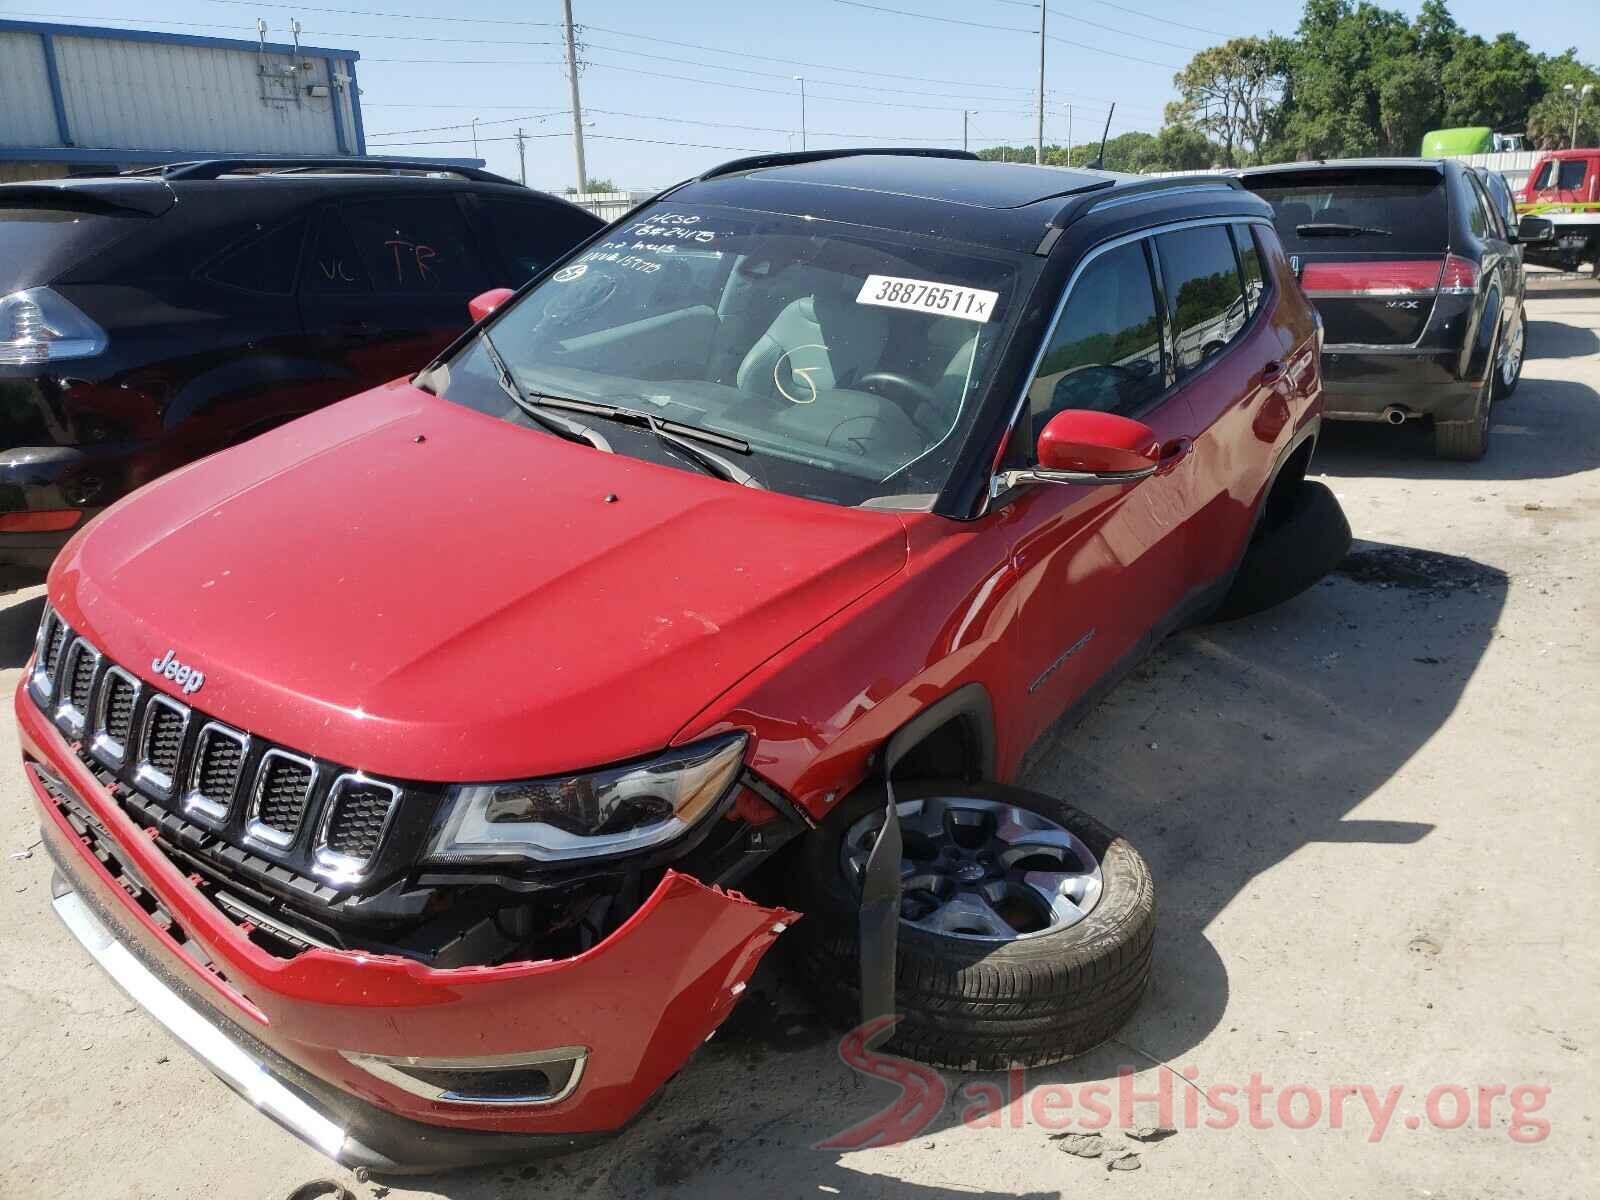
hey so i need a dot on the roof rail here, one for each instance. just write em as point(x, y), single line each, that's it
point(780, 159)
point(1130, 193)
point(214, 168)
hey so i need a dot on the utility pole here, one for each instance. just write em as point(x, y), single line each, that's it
point(1038, 145)
point(577, 108)
point(964, 115)
point(1577, 104)
point(1069, 135)
point(475, 153)
point(522, 158)
point(801, 80)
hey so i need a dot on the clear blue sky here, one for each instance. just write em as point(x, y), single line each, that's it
point(870, 76)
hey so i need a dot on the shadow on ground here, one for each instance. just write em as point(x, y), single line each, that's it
point(1233, 747)
point(1548, 428)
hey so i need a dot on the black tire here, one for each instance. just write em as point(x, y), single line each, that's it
point(1518, 334)
point(1468, 441)
point(1297, 547)
point(981, 1006)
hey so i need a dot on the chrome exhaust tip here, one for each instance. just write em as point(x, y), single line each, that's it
point(1396, 415)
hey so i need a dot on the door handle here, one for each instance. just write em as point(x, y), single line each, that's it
point(1173, 453)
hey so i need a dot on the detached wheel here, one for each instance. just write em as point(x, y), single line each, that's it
point(1025, 933)
point(1295, 547)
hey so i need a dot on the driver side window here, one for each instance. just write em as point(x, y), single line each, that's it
point(1105, 351)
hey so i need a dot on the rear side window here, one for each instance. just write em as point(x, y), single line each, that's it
point(1204, 291)
point(530, 235)
point(264, 262)
point(415, 244)
point(1105, 352)
point(1572, 172)
point(1399, 211)
point(336, 268)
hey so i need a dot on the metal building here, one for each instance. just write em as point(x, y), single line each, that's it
point(75, 98)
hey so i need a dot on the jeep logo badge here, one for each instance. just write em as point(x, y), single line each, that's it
point(187, 678)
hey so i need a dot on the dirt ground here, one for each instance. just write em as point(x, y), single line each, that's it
point(1372, 818)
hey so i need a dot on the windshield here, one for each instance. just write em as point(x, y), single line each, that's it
point(1394, 211)
point(844, 362)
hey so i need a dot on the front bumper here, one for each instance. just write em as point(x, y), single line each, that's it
point(279, 1030)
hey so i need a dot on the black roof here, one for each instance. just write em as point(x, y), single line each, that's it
point(939, 192)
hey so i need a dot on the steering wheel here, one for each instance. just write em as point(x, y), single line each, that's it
point(912, 395)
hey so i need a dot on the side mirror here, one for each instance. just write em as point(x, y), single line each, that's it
point(1532, 230)
point(480, 307)
point(1082, 446)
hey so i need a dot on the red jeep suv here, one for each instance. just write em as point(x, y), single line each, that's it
point(402, 760)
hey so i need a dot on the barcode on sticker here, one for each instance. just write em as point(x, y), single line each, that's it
point(926, 296)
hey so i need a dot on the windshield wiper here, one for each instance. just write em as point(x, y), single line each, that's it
point(1336, 229)
point(689, 439)
point(536, 410)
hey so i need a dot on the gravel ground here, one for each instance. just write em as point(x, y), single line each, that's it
point(1371, 815)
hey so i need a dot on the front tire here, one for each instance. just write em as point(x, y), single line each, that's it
point(1513, 351)
point(972, 994)
point(1301, 545)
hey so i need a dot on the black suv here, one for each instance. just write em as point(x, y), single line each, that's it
point(150, 318)
point(1414, 269)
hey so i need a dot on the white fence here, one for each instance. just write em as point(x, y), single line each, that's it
point(608, 206)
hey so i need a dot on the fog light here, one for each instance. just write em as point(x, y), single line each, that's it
point(534, 1077)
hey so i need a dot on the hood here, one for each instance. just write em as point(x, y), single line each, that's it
point(412, 588)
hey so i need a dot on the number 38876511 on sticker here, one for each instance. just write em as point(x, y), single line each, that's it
point(928, 296)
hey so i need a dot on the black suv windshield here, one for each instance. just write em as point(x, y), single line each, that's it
point(842, 362)
point(1392, 210)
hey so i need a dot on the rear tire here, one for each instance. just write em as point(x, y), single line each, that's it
point(974, 1005)
point(1513, 351)
point(1302, 545)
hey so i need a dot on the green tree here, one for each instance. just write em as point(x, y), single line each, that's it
point(1490, 83)
point(1550, 118)
point(1408, 104)
point(1232, 92)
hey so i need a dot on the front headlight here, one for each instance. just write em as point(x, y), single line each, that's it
point(618, 810)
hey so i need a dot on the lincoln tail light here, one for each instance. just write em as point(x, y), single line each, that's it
point(1459, 278)
point(38, 326)
point(1390, 277)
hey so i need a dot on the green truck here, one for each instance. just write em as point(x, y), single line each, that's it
point(1452, 143)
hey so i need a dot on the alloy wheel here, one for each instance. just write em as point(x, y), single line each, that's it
point(980, 869)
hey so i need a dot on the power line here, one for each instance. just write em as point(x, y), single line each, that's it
point(900, 12)
point(468, 124)
point(1164, 20)
point(1056, 37)
point(397, 16)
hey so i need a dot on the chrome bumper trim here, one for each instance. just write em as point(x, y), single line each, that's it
point(227, 1060)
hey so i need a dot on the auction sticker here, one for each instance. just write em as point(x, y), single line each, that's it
point(927, 296)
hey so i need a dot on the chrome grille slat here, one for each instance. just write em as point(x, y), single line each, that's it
point(113, 718)
point(283, 787)
point(161, 742)
point(218, 766)
point(354, 821)
point(77, 667)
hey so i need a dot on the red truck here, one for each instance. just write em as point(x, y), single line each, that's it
point(402, 761)
point(1564, 188)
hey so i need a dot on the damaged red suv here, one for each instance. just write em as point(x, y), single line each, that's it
point(402, 761)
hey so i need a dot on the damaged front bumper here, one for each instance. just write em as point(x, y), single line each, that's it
point(382, 1061)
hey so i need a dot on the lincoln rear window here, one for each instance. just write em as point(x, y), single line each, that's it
point(1402, 212)
point(843, 362)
